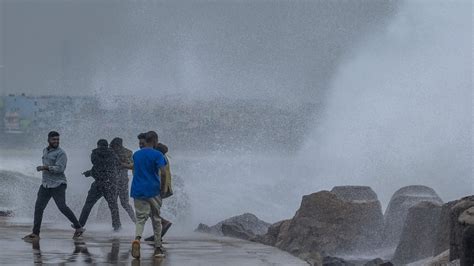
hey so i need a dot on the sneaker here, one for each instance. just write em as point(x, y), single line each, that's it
point(31, 238)
point(136, 249)
point(159, 253)
point(78, 233)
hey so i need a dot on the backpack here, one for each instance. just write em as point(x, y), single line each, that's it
point(168, 191)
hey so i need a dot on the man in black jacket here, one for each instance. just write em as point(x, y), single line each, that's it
point(105, 167)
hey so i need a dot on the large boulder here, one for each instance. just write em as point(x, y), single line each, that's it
point(419, 233)
point(363, 194)
point(244, 226)
point(355, 194)
point(460, 219)
point(443, 234)
point(326, 224)
point(397, 210)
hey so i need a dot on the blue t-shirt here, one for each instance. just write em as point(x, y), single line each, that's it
point(146, 181)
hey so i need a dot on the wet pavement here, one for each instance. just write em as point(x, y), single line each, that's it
point(102, 247)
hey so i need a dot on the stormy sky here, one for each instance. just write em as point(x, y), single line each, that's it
point(238, 49)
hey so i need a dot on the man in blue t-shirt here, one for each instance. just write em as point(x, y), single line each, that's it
point(146, 188)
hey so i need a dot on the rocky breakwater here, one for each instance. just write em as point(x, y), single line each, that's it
point(344, 225)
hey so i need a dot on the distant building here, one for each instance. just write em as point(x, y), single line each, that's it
point(19, 112)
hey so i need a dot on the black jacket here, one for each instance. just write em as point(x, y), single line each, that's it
point(105, 165)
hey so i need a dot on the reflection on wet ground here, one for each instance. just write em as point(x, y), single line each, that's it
point(105, 248)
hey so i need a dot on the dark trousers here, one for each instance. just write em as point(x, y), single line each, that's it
point(124, 197)
point(59, 196)
point(97, 191)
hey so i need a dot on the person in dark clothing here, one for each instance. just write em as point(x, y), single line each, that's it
point(165, 224)
point(54, 186)
point(125, 157)
point(105, 166)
